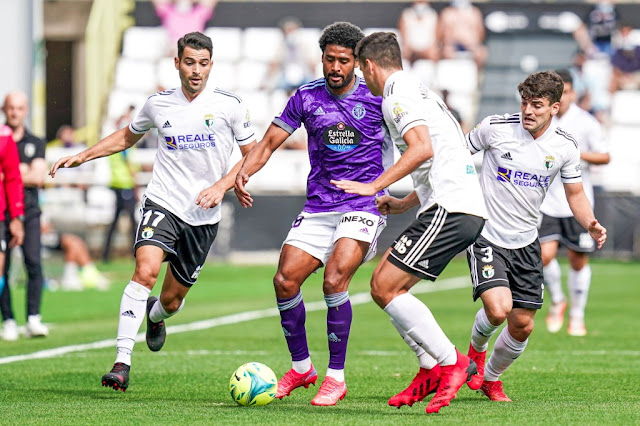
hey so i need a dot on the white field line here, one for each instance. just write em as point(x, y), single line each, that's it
point(356, 299)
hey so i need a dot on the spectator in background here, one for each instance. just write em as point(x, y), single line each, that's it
point(461, 30)
point(293, 66)
point(595, 35)
point(418, 32)
point(79, 270)
point(183, 16)
point(625, 62)
point(123, 184)
point(33, 169)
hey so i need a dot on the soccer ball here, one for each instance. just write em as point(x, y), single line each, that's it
point(253, 383)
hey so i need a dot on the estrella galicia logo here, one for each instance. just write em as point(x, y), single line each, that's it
point(341, 137)
point(504, 175)
point(358, 111)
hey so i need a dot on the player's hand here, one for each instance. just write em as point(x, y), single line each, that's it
point(244, 198)
point(16, 228)
point(353, 187)
point(598, 233)
point(210, 197)
point(66, 162)
point(390, 205)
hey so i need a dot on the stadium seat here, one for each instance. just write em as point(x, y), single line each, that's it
point(223, 75)
point(465, 105)
point(119, 101)
point(227, 43)
point(251, 74)
point(144, 43)
point(622, 174)
point(457, 75)
point(425, 70)
point(625, 105)
point(100, 206)
point(167, 74)
point(261, 44)
point(136, 75)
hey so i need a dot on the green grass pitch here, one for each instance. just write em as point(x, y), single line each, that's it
point(558, 380)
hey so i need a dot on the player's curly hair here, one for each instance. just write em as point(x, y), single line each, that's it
point(196, 41)
point(343, 34)
point(543, 84)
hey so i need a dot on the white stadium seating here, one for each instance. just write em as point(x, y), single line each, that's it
point(144, 43)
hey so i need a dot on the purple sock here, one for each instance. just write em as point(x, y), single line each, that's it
point(292, 319)
point(339, 317)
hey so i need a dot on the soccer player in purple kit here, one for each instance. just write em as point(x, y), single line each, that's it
point(336, 230)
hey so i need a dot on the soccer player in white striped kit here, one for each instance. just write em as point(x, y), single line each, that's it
point(450, 216)
point(558, 224)
point(523, 153)
point(198, 126)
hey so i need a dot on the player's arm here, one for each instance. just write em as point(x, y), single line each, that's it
point(595, 157)
point(213, 195)
point(392, 205)
point(256, 159)
point(419, 150)
point(115, 142)
point(581, 208)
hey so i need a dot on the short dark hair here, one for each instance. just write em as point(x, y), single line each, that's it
point(195, 40)
point(543, 84)
point(382, 48)
point(565, 75)
point(343, 34)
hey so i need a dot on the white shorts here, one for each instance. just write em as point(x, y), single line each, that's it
point(316, 233)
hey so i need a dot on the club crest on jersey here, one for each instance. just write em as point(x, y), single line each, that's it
point(488, 271)
point(208, 119)
point(147, 233)
point(358, 111)
point(549, 161)
point(341, 137)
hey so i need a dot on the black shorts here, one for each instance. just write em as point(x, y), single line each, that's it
point(426, 247)
point(568, 231)
point(519, 269)
point(3, 236)
point(186, 246)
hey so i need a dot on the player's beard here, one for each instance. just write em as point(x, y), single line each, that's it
point(346, 81)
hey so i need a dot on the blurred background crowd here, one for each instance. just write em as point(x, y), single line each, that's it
point(87, 66)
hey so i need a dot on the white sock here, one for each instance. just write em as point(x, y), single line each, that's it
point(553, 281)
point(505, 351)
point(158, 313)
point(336, 374)
point(579, 283)
point(133, 306)
point(414, 316)
point(482, 331)
point(425, 360)
point(302, 366)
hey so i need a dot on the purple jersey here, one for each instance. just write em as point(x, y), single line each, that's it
point(346, 140)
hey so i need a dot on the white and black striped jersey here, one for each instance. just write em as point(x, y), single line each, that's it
point(449, 178)
point(195, 141)
point(516, 173)
point(587, 131)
